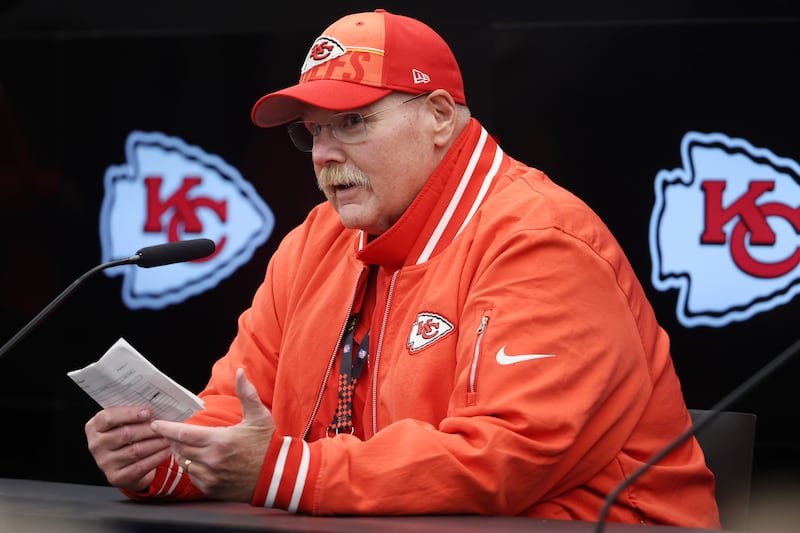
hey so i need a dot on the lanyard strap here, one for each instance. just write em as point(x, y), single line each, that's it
point(349, 372)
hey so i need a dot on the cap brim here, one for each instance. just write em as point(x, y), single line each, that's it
point(288, 104)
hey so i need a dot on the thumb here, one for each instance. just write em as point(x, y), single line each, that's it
point(254, 413)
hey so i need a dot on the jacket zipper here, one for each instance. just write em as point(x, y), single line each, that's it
point(332, 358)
point(476, 355)
point(378, 354)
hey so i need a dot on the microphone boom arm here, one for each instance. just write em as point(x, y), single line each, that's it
point(147, 257)
point(134, 259)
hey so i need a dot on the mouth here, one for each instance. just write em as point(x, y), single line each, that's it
point(338, 179)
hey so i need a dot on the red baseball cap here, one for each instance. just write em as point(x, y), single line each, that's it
point(360, 59)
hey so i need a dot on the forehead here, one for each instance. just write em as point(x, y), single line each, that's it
point(319, 114)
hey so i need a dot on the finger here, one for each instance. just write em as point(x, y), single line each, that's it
point(132, 454)
point(190, 466)
point(253, 410)
point(118, 437)
point(136, 475)
point(138, 450)
point(182, 453)
point(113, 417)
point(180, 433)
point(111, 459)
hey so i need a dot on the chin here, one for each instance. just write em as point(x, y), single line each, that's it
point(370, 227)
point(354, 216)
point(355, 225)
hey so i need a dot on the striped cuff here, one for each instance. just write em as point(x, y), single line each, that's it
point(284, 479)
point(171, 482)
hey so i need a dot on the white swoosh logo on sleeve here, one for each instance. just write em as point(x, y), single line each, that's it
point(504, 359)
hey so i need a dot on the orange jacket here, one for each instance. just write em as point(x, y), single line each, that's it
point(492, 261)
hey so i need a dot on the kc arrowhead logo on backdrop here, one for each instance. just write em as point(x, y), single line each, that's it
point(170, 191)
point(725, 230)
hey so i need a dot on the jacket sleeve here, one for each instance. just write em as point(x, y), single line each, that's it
point(255, 348)
point(171, 483)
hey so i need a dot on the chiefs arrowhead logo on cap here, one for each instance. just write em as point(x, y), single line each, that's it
point(324, 49)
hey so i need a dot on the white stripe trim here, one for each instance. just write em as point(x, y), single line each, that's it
point(498, 158)
point(160, 490)
point(451, 207)
point(302, 474)
point(280, 465)
point(172, 487)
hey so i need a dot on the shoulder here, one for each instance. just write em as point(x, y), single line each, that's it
point(526, 201)
point(539, 201)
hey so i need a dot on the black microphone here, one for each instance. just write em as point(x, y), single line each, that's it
point(701, 422)
point(174, 252)
point(150, 256)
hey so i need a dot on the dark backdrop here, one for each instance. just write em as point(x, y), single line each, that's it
point(598, 95)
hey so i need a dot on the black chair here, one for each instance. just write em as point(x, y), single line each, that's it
point(727, 442)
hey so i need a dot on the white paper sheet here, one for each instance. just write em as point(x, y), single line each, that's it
point(124, 377)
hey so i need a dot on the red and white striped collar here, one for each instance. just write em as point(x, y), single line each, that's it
point(445, 204)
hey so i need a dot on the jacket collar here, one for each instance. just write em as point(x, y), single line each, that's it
point(444, 205)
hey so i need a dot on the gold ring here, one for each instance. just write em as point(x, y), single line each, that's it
point(186, 464)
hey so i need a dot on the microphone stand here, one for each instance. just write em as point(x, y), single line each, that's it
point(134, 259)
point(700, 423)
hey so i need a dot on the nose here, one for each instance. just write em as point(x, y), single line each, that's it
point(326, 149)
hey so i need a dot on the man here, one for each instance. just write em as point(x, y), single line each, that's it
point(450, 332)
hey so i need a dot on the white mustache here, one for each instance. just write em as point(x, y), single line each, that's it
point(334, 176)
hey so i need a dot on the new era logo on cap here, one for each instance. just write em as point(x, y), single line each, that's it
point(420, 77)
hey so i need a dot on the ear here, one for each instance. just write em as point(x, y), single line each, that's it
point(445, 116)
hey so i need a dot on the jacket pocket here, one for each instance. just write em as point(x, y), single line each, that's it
point(472, 386)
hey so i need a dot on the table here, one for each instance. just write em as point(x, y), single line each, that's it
point(31, 506)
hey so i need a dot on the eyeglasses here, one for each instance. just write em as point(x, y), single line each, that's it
point(349, 127)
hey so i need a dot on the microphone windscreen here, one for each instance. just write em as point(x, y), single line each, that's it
point(175, 252)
